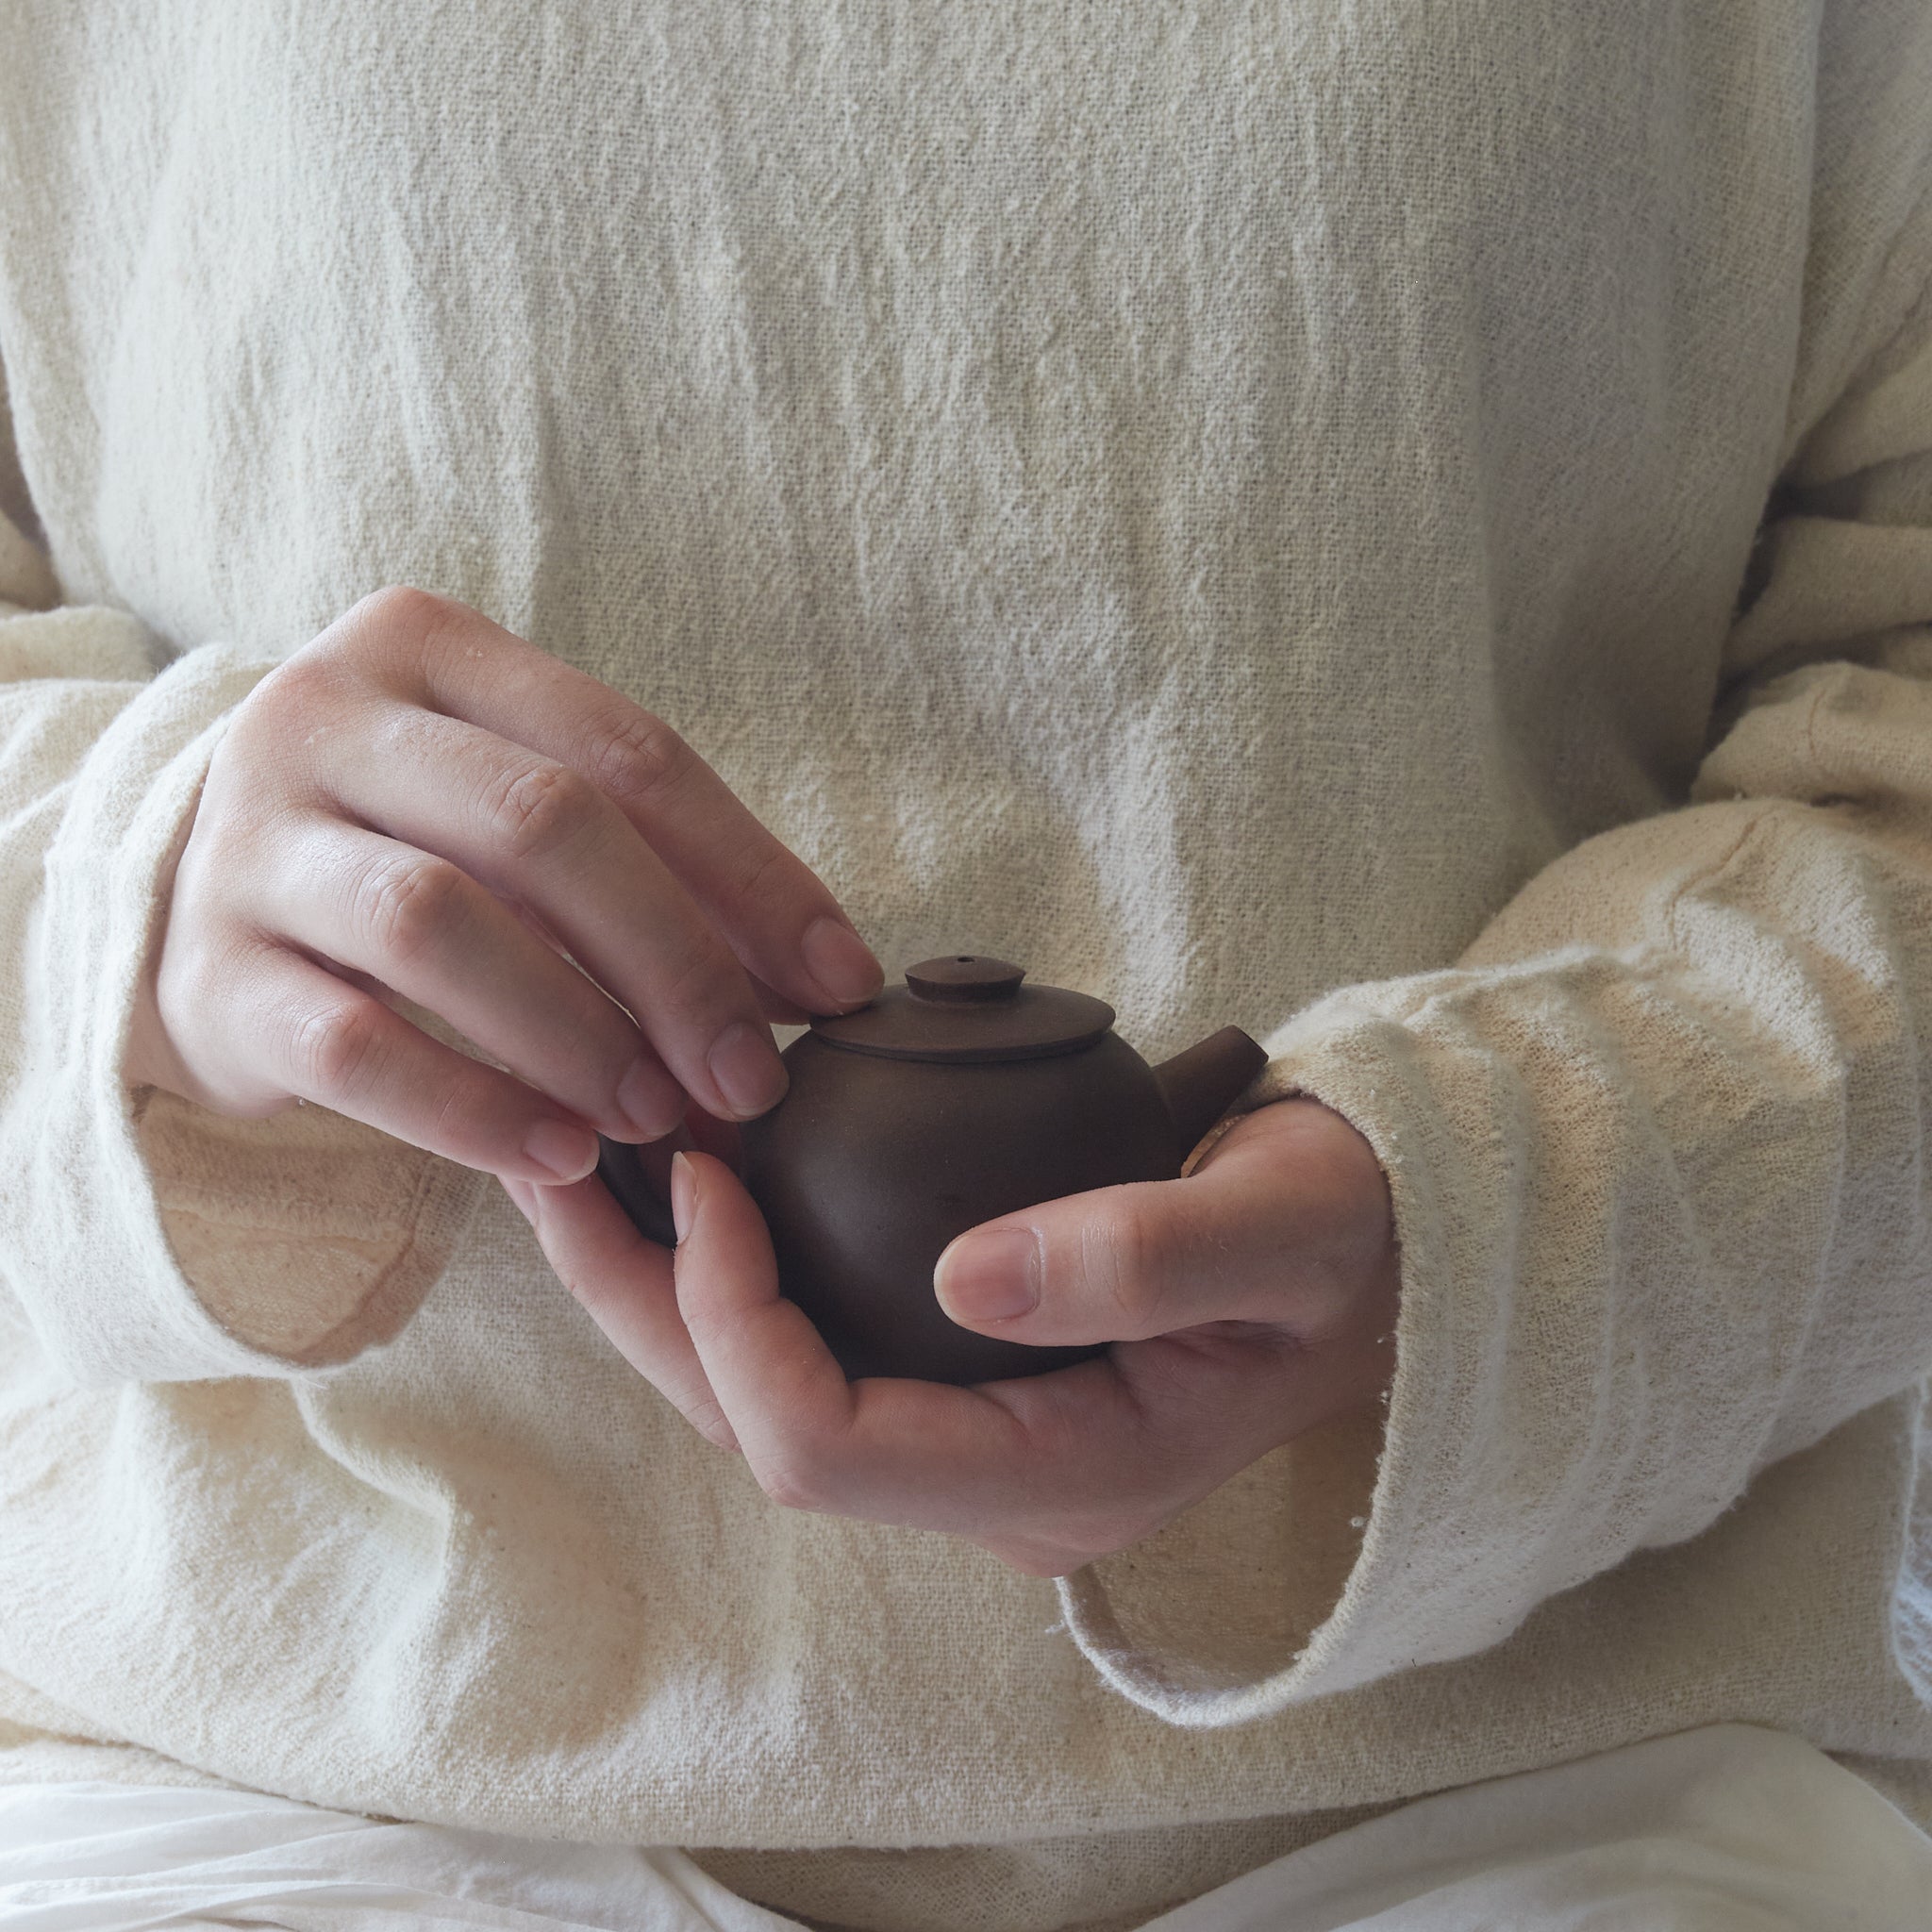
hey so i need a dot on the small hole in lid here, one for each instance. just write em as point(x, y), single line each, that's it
point(963, 958)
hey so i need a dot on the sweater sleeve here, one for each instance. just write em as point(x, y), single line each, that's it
point(1657, 1143)
point(141, 1238)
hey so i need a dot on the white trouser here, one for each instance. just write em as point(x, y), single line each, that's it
point(1727, 1829)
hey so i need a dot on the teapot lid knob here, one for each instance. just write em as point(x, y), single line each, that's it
point(964, 977)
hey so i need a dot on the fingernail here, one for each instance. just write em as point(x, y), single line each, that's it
point(990, 1277)
point(568, 1153)
point(682, 1187)
point(747, 1069)
point(523, 1196)
point(650, 1099)
point(840, 961)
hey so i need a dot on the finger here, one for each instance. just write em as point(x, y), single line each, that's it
point(530, 829)
point(424, 928)
point(625, 1286)
point(773, 1377)
point(1114, 1265)
point(778, 1010)
point(893, 1451)
point(316, 1038)
point(1238, 1240)
point(1048, 1470)
point(778, 916)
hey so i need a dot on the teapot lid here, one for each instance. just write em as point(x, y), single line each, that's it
point(968, 1007)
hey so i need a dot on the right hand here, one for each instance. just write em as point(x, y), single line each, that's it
point(420, 804)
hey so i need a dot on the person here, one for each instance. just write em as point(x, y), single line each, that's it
point(546, 542)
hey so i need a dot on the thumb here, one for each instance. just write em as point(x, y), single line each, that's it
point(1120, 1263)
point(1287, 1221)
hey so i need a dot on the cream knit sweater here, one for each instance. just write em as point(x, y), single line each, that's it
point(1250, 510)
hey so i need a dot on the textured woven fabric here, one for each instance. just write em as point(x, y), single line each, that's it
point(1258, 511)
point(1707, 1831)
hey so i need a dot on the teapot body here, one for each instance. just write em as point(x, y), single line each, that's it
point(869, 1166)
point(960, 1096)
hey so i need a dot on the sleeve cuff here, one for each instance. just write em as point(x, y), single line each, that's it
point(1447, 1549)
point(112, 1193)
point(1351, 1572)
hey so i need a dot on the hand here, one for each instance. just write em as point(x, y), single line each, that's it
point(420, 807)
point(1247, 1303)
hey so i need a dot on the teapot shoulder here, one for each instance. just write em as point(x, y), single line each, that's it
point(1095, 1116)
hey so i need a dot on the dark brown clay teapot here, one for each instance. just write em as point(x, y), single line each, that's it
point(956, 1098)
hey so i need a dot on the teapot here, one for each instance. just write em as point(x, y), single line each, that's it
point(958, 1097)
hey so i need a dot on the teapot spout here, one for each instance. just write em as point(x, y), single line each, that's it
point(1201, 1082)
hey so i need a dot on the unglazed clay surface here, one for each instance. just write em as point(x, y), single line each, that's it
point(949, 1101)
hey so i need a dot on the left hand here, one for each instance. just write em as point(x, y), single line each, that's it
point(1247, 1303)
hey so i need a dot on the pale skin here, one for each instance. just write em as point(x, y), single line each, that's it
point(421, 809)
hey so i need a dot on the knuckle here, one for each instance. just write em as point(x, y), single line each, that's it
point(545, 808)
point(695, 979)
point(378, 639)
point(792, 1485)
point(403, 734)
point(408, 904)
point(402, 612)
point(203, 967)
point(335, 1049)
point(460, 1108)
point(585, 1287)
point(714, 1425)
point(762, 865)
point(635, 757)
point(299, 690)
point(401, 629)
point(1124, 1257)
